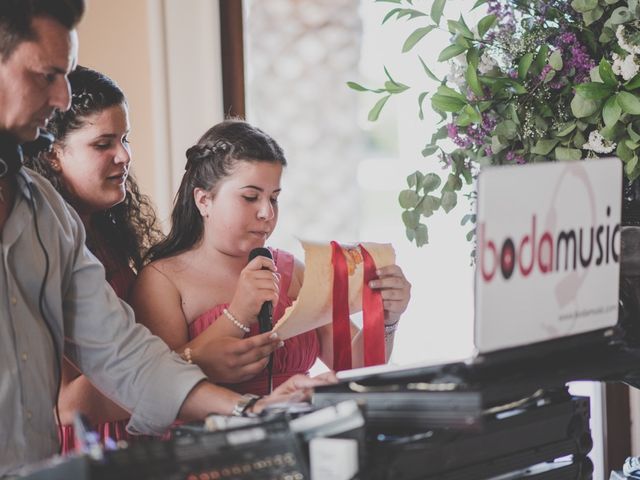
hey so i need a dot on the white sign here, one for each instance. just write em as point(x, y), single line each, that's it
point(547, 259)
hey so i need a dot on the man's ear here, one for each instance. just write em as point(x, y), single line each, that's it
point(53, 158)
point(201, 198)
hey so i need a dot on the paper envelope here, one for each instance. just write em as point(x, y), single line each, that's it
point(313, 308)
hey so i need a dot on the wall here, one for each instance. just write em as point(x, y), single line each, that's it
point(165, 54)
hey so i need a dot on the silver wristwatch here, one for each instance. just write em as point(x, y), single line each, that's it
point(246, 401)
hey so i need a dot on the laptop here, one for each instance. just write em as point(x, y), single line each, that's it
point(547, 262)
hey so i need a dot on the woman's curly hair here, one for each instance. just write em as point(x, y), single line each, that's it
point(129, 228)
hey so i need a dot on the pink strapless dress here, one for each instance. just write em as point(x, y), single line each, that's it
point(298, 354)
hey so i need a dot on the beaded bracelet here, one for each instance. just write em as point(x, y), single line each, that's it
point(186, 355)
point(235, 321)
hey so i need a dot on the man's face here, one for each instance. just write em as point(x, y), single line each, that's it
point(33, 79)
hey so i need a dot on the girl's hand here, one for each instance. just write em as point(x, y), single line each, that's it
point(395, 290)
point(258, 283)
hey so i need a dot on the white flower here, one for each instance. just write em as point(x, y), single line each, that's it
point(456, 74)
point(626, 67)
point(487, 63)
point(622, 41)
point(598, 144)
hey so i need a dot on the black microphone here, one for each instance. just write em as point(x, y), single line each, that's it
point(265, 317)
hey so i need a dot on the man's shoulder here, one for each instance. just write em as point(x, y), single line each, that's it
point(48, 202)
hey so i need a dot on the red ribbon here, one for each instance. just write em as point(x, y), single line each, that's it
point(341, 321)
point(372, 314)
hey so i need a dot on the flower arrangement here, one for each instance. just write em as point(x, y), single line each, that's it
point(532, 81)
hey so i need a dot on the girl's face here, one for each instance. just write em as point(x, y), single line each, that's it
point(94, 161)
point(243, 212)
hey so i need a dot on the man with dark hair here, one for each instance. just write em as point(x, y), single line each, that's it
point(53, 293)
point(16, 15)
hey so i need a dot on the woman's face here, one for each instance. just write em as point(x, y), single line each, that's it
point(243, 212)
point(93, 162)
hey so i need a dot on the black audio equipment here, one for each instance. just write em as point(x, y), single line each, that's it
point(512, 440)
point(263, 451)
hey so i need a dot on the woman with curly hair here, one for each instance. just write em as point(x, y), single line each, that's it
point(89, 165)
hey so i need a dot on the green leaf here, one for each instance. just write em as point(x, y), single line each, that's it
point(473, 57)
point(415, 37)
point(394, 87)
point(415, 178)
point(624, 152)
point(566, 130)
point(459, 27)
point(629, 102)
point(449, 201)
point(472, 79)
point(450, 52)
point(450, 92)
point(469, 217)
point(594, 91)
point(555, 60)
point(611, 112)
point(517, 87)
point(420, 111)
point(541, 58)
point(524, 65)
point(436, 10)
point(507, 129)
point(544, 146)
point(632, 133)
point(403, 12)
point(422, 235)
point(408, 199)
point(411, 219)
point(606, 73)
point(390, 14)
point(478, 3)
point(620, 15)
point(374, 113)
point(582, 107)
point(633, 83)
point(386, 72)
point(453, 183)
point(411, 234)
point(582, 6)
point(473, 114)
point(447, 104)
point(485, 25)
point(431, 182)
point(568, 154)
point(430, 203)
point(592, 16)
point(631, 165)
point(357, 87)
point(428, 71)
point(429, 150)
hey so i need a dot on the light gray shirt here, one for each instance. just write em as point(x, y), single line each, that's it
point(98, 331)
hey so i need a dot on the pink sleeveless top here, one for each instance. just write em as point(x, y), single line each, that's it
point(298, 354)
point(121, 278)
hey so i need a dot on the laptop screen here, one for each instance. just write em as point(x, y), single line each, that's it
point(547, 258)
